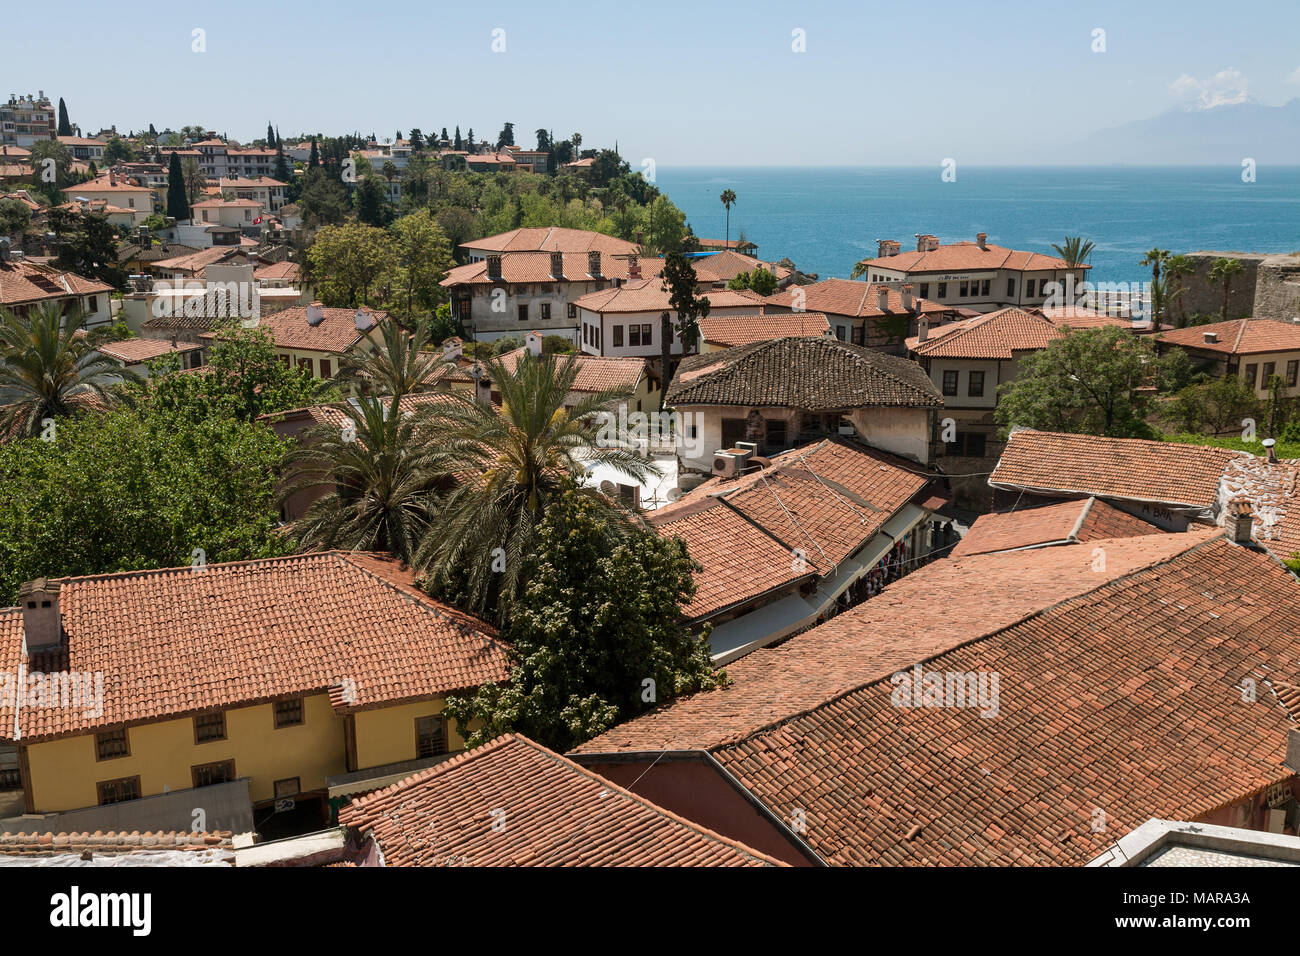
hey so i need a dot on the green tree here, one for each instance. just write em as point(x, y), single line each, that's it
point(679, 278)
point(728, 198)
point(1176, 269)
point(506, 137)
point(87, 245)
point(1076, 251)
point(1091, 381)
point(282, 172)
point(373, 207)
point(323, 198)
point(178, 203)
point(354, 263)
point(194, 179)
point(509, 463)
point(457, 143)
point(118, 151)
point(14, 217)
point(399, 365)
point(61, 157)
point(760, 281)
point(1224, 271)
point(1214, 407)
point(48, 371)
point(423, 258)
point(313, 158)
point(596, 636)
point(65, 127)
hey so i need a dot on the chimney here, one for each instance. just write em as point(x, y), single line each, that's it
point(494, 268)
point(633, 267)
point(1270, 446)
point(926, 243)
point(453, 348)
point(882, 298)
point(42, 625)
point(1211, 338)
point(908, 302)
point(1239, 522)
point(316, 313)
point(363, 320)
point(1292, 761)
point(534, 342)
point(922, 328)
point(887, 247)
point(557, 265)
point(482, 385)
point(593, 265)
point(983, 239)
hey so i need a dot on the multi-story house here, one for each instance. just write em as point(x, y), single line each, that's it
point(218, 160)
point(1249, 350)
point(115, 190)
point(267, 191)
point(85, 149)
point(316, 338)
point(548, 239)
point(27, 119)
point(25, 285)
point(978, 275)
point(863, 313)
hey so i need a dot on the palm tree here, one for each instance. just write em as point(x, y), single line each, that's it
point(728, 199)
point(47, 370)
point(399, 365)
point(1177, 267)
point(1155, 258)
point(1222, 271)
point(507, 464)
point(1076, 251)
point(379, 467)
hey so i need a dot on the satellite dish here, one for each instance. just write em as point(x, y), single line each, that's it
point(673, 494)
point(608, 487)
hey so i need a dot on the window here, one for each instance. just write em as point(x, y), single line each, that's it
point(210, 774)
point(546, 311)
point(857, 334)
point(94, 303)
point(1011, 286)
point(943, 290)
point(209, 727)
point(111, 744)
point(305, 363)
point(634, 335)
point(963, 290)
point(284, 360)
point(950, 382)
point(288, 713)
point(646, 337)
point(1268, 374)
point(1029, 288)
point(975, 384)
point(618, 336)
point(733, 430)
point(984, 288)
point(573, 311)
point(523, 313)
point(775, 435)
point(839, 332)
point(288, 787)
point(925, 289)
point(1251, 371)
point(1292, 368)
point(324, 368)
point(971, 444)
point(430, 737)
point(115, 791)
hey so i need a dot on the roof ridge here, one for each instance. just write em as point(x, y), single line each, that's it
point(1038, 612)
point(1241, 332)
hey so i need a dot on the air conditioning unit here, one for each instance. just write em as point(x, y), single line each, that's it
point(730, 462)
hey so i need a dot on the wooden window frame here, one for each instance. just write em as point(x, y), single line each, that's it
point(194, 772)
point(209, 740)
point(101, 784)
point(126, 741)
point(302, 713)
point(446, 742)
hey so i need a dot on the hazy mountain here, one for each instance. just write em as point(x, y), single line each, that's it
point(1219, 134)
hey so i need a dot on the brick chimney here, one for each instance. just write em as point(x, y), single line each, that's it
point(1239, 522)
point(887, 247)
point(926, 243)
point(882, 298)
point(593, 265)
point(557, 265)
point(42, 624)
point(633, 267)
point(908, 302)
point(494, 268)
point(1211, 337)
point(983, 239)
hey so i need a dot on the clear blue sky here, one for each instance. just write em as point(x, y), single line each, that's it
point(692, 83)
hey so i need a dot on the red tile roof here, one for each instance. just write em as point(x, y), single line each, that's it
point(22, 282)
point(1066, 522)
point(996, 335)
point(178, 641)
point(551, 812)
point(535, 266)
point(851, 298)
point(825, 500)
point(595, 373)
point(1135, 469)
point(215, 846)
point(552, 239)
point(651, 295)
point(194, 262)
point(725, 265)
point(132, 351)
point(1239, 337)
point(731, 330)
point(337, 333)
point(968, 256)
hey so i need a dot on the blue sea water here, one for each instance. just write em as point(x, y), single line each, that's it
point(826, 219)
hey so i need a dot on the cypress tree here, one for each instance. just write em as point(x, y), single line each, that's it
point(178, 205)
point(314, 159)
point(65, 128)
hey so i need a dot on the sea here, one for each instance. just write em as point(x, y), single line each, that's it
point(827, 218)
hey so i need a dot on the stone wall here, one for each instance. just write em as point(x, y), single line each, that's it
point(1277, 290)
point(1269, 288)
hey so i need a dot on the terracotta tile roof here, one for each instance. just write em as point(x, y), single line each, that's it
point(132, 351)
point(1066, 522)
point(1135, 469)
point(195, 261)
point(968, 256)
point(22, 281)
point(278, 270)
point(555, 813)
point(1125, 700)
point(996, 335)
point(650, 295)
point(851, 298)
point(726, 264)
point(216, 847)
point(825, 500)
point(937, 607)
point(22, 196)
point(595, 373)
point(289, 329)
point(552, 239)
point(105, 184)
point(178, 641)
point(1077, 317)
point(227, 204)
point(237, 182)
point(732, 330)
point(532, 266)
point(1240, 337)
point(815, 374)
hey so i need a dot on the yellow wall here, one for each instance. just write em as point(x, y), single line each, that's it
point(387, 735)
point(64, 772)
